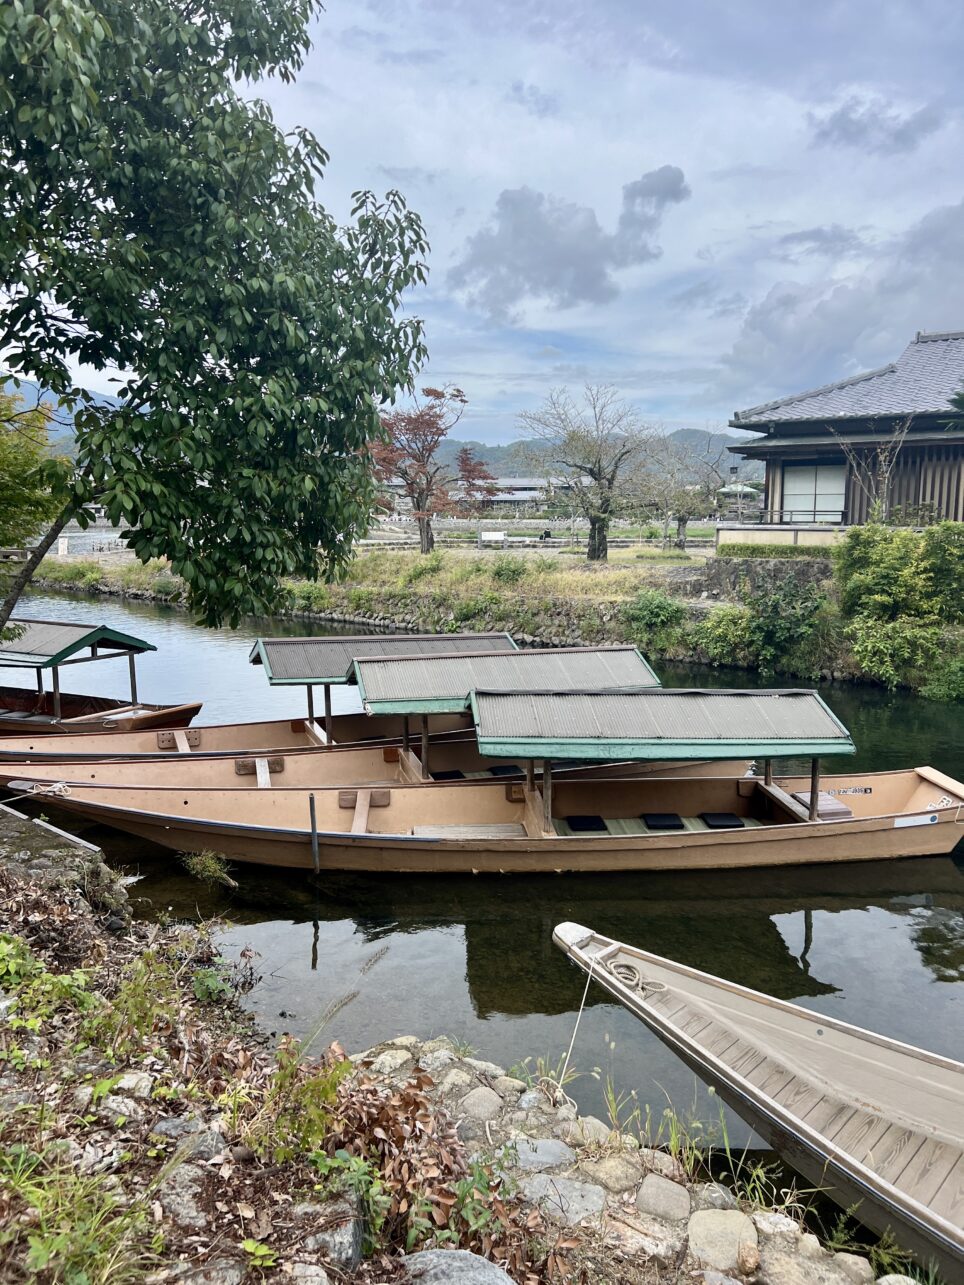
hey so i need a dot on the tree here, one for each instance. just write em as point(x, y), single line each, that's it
point(872, 467)
point(27, 502)
point(159, 224)
point(594, 442)
point(408, 452)
point(475, 482)
point(679, 483)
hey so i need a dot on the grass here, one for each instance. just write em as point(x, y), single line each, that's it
point(773, 551)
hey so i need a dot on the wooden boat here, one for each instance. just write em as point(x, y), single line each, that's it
point(45, 646)
point(597, 825)
point(878, 1122)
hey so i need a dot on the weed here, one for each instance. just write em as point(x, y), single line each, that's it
point(260, 1256)
point(208, 867)
point(508, 569)
point(296, 1112)
point(147, 998)
point(212, 985)
point(345, 1172)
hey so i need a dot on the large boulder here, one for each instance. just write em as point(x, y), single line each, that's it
point(451, 1267)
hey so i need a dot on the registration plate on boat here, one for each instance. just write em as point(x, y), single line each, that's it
point(929, 819)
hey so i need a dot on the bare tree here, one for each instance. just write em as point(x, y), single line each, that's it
point(680, 483)
point(594, 442)
point(873, 467)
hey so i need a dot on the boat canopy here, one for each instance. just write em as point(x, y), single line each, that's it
point(46, 644)
point(444, 684)
point(306, 661)
point(661, 723)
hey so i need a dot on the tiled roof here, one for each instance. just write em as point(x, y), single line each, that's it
point(922, 380)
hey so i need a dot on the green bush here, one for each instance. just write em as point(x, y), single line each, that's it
point(428, 565)
point(783, 621)
point(894, 651)
point(725, 636)
point(508, 569)
point(655, 619)
point(879, 573)
point(946, 682)
point(942, 560)
point(772, 551)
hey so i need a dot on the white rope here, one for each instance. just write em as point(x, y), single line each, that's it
point(557, 1085)
point(55, 787)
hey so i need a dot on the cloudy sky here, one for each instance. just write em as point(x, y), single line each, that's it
point(706, 205)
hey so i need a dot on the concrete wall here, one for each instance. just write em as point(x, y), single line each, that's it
point(824, 536)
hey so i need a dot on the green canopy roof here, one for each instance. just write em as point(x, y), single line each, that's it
point(43, 644)
point(306, 661)
point(662, 723)
point(443, 684)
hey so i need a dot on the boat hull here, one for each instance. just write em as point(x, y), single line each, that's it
point(272, 826)
point(869, 1178)
point(79, 714)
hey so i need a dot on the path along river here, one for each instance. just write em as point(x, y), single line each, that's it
point(880, 944)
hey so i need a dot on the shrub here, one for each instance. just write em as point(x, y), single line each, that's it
point(725, 636)
point(654, 618)
point(772, 551)
point(947, 681)
point(783, 620)
point(508, 569)
point(879, 573)
point(894, 651)
point(942, 560)
point(428, 565)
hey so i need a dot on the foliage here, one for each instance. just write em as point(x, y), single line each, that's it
point(725, 636)
point(508, 569)
point(772, 551)
point(942, 560)
point(26, 500)
point(476, 487)
point(429, 565)
point(946, 682)
point(654, 618)
point(408, 452)
point(345, 1172)
point(878, 573)
point(297, 1112)
point(894, 651)
point(158, 222)
point(18, 963)
point(146, 999)
point(782, 621)
point(212, 985)
point(208, 867)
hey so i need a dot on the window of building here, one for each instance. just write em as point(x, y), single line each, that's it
point(814, 492)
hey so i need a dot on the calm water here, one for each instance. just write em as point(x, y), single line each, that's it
point(879, 944)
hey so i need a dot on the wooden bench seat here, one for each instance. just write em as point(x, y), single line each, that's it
point(495, 830)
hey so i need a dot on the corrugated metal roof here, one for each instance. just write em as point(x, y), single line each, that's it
point(41, 644)
point(442, 684)
point(922, 380)
point(662, 723)
point(328, 660)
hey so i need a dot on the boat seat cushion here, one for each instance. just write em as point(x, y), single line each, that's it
point(586, 824)
point(451, 774)
point(722, 820)
point(663, 821)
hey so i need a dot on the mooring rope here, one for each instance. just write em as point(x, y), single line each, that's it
point(52, 787)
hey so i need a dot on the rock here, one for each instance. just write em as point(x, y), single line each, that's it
point(541, 1153)
point(617, 1172)
point(389, 1062)
point(219, 1271)
point(532, 1100)
point(451, 1267)
point(455, 1081)
point(435, 1061)
point(780, 1267)
point(116, 1105)
point(180, 1196)
point(563, 1199)
point(335, 1230)
point(583, 1131)
point(663, 1199)
point(895, 1278)
point(710, 1195)
point(712, 1277)
point(404, 1041)
point(856, 1267)
point(810, 1246)
point(176, 1126)
point(481, 1104)
point(490, 1069)
point(508, 1086)
point(135, 1084)
point(662, 1162)
point(440, 1042)
point(647, 1238)
point(204, 1144)
point(309, 1274)
point(725, 1239)
point(777, 1229)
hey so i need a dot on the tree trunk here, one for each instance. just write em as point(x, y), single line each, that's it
point(26, 574)
point(598, 539)
point(426, 536)
point(681, 524)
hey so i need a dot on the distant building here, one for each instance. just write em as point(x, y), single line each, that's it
point(810, 476)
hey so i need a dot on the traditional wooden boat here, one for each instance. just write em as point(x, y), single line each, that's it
point(638, 823)
point(45, 646)
point(877, 1122)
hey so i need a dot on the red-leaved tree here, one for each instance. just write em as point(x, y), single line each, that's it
point(476, 483)
point(408, 454)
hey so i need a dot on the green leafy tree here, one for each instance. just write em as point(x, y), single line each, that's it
point(27, 503)
point(158, 225)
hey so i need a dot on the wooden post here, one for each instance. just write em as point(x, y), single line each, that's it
point(314, 833)
point(547, 795)
point(56, 674)
point(530, 774)
point(814, 788)
point(328, 713)
point(425, 772)
point(768, 771)
point(40, 681)
point(406, 735)
point(133, 673)
point(311, 702)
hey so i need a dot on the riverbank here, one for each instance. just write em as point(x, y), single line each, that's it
point(147, 1133)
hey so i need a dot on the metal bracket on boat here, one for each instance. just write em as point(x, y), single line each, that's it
point(249, 767)
point(168, 741)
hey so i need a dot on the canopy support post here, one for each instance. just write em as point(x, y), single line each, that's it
point(425, 772)
point(547, 794)
point(314, 833)
point(406, 735)
point(56, 673)
point(328, 719)
point(133, 674)
point(530, 775)
point(311, 702)
point(814, 788)
point(40, 681)
point(768, 771)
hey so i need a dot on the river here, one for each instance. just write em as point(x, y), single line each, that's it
point(877, 944)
